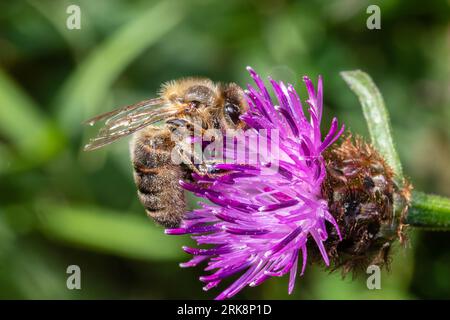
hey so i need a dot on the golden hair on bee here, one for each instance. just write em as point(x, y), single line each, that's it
point(182, 104)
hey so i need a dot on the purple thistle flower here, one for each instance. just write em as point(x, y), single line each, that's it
point(262, 215)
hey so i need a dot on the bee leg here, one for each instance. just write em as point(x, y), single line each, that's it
point(179, 128)
point(212, 171)
point(186, 158)
point(186, 149)
point(177, 123)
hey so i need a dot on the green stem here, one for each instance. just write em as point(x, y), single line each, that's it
point(429, 212)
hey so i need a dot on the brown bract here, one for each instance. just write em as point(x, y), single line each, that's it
point(367, 204)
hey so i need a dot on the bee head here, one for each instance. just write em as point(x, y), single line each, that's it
point(217, 106)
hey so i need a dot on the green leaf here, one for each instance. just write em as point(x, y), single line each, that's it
point(377, 117)
point(117, 233)
point(87, 88)
point(24, 125)
point(6, 158)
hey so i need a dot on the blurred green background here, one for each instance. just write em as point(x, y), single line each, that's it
point(61, 206)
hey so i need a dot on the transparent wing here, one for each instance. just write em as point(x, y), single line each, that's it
point(129, 119)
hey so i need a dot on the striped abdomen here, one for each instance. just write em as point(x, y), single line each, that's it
point(156, 177)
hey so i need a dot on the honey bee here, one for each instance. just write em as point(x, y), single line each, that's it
point(180, 104)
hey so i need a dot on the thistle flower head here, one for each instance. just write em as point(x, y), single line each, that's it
point(262, 214)
point(367, 204)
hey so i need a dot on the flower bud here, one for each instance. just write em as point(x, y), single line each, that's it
point(366, 203)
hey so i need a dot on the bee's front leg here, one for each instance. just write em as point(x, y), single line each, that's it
point(183, 135)
point(191, 152)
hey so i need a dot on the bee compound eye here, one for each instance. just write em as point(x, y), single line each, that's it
point(233, 112)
